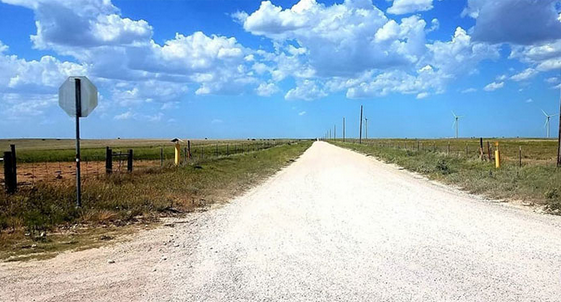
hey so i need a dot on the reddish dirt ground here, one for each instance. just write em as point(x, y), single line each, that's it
point(31, 173)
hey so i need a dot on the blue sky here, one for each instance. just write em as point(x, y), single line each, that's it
point(238, 69)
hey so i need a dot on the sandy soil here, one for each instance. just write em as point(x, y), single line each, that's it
point(333, 226)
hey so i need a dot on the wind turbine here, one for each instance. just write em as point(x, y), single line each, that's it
point(547, 125)
point(456, 123)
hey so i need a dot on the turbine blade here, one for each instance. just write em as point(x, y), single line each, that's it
point(544, 113)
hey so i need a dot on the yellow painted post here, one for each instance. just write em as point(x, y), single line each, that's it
point(177, 153)
point(497, 156)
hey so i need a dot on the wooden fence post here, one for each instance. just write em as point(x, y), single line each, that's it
point(189, 149)
point(108, 160)
point(129, 161)
point(14, 164)
point(489, 151)
point(481, 152)
point(161, 156)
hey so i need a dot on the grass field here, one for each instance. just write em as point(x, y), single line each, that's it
point(122, 199)
point(534, 151)
point(63, 150)
point(536, 182)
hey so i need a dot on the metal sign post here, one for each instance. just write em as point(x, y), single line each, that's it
point(78, 114)
point(78, 97)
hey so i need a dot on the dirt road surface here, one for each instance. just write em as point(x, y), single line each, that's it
point(333, 226)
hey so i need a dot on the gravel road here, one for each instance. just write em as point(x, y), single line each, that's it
point(333, 226)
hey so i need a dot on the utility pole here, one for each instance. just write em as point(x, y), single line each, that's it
point(366, 128)
point(360, 127)
point(343, 129)
point(559, 140)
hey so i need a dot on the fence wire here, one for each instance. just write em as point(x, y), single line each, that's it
point(511, 153)
point(31, 173)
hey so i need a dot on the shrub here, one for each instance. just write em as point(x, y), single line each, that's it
point(442, 167)
point(552, 194)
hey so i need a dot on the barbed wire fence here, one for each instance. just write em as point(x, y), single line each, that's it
point(511, 153)
point(31, 173)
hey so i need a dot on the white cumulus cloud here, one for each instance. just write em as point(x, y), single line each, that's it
point(267, 89)
point(524, 75)
point(307, 90)
point(401, 7)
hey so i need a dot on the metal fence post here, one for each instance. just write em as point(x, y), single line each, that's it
point(161, 156)
point(520, 156)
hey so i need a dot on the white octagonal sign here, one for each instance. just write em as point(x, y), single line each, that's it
point(67, 96)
